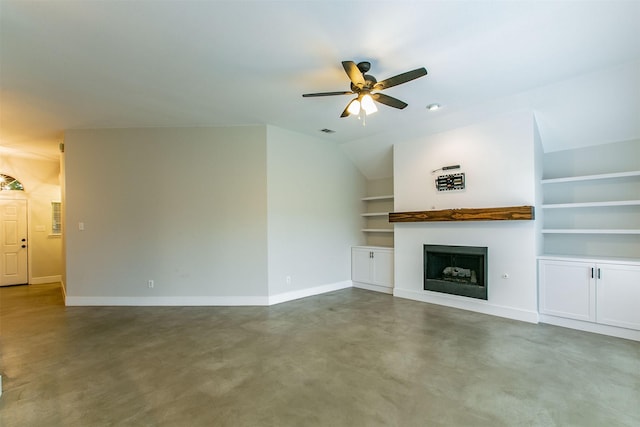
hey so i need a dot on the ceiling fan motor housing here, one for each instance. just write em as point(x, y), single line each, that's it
point(369, 82)
point(364, 66)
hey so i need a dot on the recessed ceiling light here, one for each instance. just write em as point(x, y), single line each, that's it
point(433, 107)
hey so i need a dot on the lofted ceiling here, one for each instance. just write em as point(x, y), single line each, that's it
point(102, 64)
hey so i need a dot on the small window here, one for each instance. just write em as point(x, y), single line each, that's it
point(8, 183)
point(56, 218)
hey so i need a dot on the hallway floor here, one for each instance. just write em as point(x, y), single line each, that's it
point(347, 358)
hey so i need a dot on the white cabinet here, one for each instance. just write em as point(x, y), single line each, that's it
point(372, 268)
point(599, 292)
point(589, 269)
point(567, 289)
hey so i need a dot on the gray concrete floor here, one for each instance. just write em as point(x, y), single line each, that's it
point(347, 358)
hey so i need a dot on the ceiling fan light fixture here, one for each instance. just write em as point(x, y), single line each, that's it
point(354, 107)
point(368, 105)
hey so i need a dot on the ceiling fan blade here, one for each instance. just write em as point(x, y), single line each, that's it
point(389, 100)
point(307, 95)
point(400, 78)
point(346, 113)
point(354, 73)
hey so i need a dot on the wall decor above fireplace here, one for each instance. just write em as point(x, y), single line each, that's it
point(449, 182)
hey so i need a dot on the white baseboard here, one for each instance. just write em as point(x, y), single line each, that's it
point(206, 301)
point(596, 328)
point(167, 301)
point(45, 279)
point(303, 293)
point(479, 306)
point(377, 288)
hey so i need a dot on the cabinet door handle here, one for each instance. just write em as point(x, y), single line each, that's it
point(598, 273)
point(592, 272)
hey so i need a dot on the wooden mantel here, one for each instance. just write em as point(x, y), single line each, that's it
point(509, 213)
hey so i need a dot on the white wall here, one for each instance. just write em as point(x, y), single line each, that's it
point(215, 216)
point(538, 176)
point(186, 207)
point(314, 206)
point(498, 158)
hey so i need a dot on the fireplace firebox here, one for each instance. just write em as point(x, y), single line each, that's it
point(457, 270)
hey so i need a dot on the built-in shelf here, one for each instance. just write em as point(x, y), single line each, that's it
point(585, 258)
point(588, 231)
point(510, 213)
point(376, 216)
point(592, 204)
point(386, 197)
point(591, 177)
point(599, 188)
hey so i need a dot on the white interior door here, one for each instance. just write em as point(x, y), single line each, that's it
point(13, 242)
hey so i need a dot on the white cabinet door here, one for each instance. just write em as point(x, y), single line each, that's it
point(567, 289)
point(372, 265)
point(618, 295)
point(361, 265)
point(382, 271)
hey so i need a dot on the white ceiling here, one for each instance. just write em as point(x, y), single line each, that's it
point(95, 64)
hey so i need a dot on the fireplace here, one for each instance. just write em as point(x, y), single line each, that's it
point(457, 270)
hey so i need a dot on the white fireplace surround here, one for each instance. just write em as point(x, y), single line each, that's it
point(511, 275)
point(502, 160)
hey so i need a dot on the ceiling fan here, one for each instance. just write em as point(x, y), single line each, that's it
point(366, 88)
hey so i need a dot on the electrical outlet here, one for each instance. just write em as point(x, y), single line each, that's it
point(150, 284)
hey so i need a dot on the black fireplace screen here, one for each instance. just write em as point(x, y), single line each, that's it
point(457, 270)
